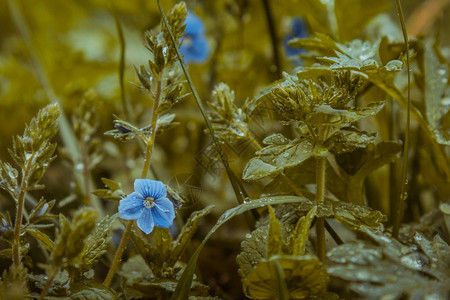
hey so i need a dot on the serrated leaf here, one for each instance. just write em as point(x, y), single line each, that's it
point(275, 240)
point(390, 268)
point(185, 281)
point(254, 249)
point(189, 229)
point(42, 238)
point(73, 233)
point(275, 158)
point(95, 244)
point(299, 236)
point(82, 225)
point(303, 275)
point(436, 81)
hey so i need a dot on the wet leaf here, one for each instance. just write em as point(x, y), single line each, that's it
point(275, 158)
point(304, 277)
point(299, 236)
point(184, 284)
point(253, 250)
point(188, 230)
point(389, 268)
point(275, 240)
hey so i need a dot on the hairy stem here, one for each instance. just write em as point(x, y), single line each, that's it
point(48, 284)
point(150, 142)
point(17, 225)
point(401, 205)
point(320, 224)
point(148, 156)
point(118, 255)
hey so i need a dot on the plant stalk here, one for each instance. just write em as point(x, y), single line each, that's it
point(273, 37)
point(17, 225)
point(403, 195)
point(118, 255)
point(48, 284)
point(148, 156)
point(320, 224)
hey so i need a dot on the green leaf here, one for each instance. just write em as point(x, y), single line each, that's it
point(389, 268)
point(73, 233)
point(436, 81)
point(41, 237)
point(163, 254)
point(350, 25)
point(254, 249)
point(111, 184)
point(97, 292)
point(275, 240)
point(188, 230)
point(304, 277)
point(184, 284)
point(299, 236)
point(95, 245)
point(275, 157)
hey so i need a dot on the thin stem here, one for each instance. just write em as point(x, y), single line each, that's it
point(273, 37)
point(118, 255)
point(17, 225)
point(125, 104)
point(150, 142)
point(320, 224)
point(148, 156)
point(48, 284)
point(403, 195)
point(238, 189)
point(333, 233)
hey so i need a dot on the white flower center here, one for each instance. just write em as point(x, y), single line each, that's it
point(149, 202)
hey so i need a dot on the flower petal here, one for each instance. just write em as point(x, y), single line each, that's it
point(145, 222)
point(150, 188)
point(194, 25)
point(131, 207)
point(163, 212)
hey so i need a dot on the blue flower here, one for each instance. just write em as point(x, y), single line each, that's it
point(298, 30)
point(195, 46)
point(148, 205)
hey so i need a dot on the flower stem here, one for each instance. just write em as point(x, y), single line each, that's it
point(118, 255)
point(150, 142)
point(403, 195)
point(148, 155)
point(320, 224)
point(48, 284)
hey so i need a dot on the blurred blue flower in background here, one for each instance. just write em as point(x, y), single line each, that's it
point(148, 205)
point(195, 47)
point(298, 30)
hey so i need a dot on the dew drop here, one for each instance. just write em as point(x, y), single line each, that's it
point(248, 235)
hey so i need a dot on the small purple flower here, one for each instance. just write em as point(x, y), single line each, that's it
point(148, 205)
point(195, 46)
point(298, 30)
